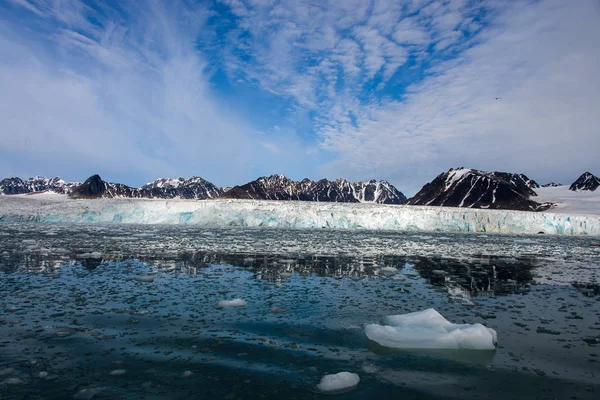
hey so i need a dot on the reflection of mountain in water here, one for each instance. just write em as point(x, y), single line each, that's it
point(484, 276)
point(462, 278)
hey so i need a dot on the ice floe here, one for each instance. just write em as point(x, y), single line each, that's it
point(232, 303)
point(340, 382)
point(428, 329)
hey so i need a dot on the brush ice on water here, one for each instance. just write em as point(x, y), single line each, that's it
point(428, 329)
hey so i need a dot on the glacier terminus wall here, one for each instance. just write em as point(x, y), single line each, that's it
point(54, 208)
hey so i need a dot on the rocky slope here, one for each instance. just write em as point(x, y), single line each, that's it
point(279, 187)
point(586, 181)
point(464, 187)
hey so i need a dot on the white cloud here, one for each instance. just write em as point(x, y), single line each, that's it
point(125, 98)
point(545, 124)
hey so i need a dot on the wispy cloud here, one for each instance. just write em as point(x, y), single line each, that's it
point(537, 56)
point(128, 94)
point(400, 90)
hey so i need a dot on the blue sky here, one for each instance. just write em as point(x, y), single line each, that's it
point(234, 89)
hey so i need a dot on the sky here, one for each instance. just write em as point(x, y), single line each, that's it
point(231, 90)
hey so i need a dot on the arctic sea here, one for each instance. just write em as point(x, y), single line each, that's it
point(131, 312)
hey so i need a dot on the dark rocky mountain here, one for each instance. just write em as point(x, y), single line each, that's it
point(586, 181)
point(552, 184)
point(35, 185)
point(94, 187)
point(464, 187)
point(279, 187)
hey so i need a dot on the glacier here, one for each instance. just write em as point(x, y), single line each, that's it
point(58, 209)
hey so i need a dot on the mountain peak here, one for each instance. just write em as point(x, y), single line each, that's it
point(587, 181)
point(466, 187)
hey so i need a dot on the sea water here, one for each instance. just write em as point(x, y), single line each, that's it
point(171, 312)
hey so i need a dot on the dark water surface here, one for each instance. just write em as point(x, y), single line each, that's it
point(129, 312)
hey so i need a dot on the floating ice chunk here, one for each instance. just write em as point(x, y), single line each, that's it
point(232, 303)
point(389, 270)
point(88, 393)
point(118, 372)
point(526, 241)
point(43, 375)
point(340, 382)
point(277, 310)
point(186, 374)
point(13, 381)
point(428, 329)
point(7, 371)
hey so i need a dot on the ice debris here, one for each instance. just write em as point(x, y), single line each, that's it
point(88, 393)
point(232, 303)
point(340, 382)
point(428, 329)
point(118, 372)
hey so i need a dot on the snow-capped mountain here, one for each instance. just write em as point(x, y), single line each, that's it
point(279, 187)
point(465, 187)
point(192, 188)
point(552, 184)
point(36, 184)
point(164, 188)
point(586, 181)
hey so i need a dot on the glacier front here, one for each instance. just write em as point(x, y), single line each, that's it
point(54, 208)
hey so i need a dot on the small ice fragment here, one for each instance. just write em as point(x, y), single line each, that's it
point(187, 374)
point(144, 278)
point(88, 393)
point(13, 381)
point(370, 368)
point(526, 241)
point(43, 375)
point(336, 383)
point(389, 270)
point(276, 310)
point(118, 372)
point(7, 371)
point(428, 329)
point(232, 303)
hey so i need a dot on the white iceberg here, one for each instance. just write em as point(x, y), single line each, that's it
point(335, 383)
point(428, 329)
point(232, 303)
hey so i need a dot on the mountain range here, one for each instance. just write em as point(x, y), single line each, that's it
point(460, 187)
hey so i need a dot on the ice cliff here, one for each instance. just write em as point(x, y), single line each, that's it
point(215, 213)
